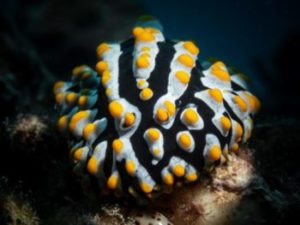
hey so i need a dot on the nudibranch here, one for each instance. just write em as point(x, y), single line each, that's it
point(150, 116)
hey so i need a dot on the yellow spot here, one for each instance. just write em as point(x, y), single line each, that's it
point(137, 31)
point(146, 94)
point(58, 85)
point(92, 165)
point(88, 130)
point(145, 36)
point(78, 69)
point(219, 70)
point(151, 30)
point(141, 83)
point(145, 49)
point(239, 131)
point(191, 177)
point(251, 101)
point(178, 170)
point(146, 187)
point(185, 141)
point(78, 154)
point(162, 115)
point(115, 108)
point(216, 94)
point(82, 101)
point(168, 179)
point(226, 123)
point(241, 103)
point(186, 60)
point(62, 122)
point(145, 55)
point(108, 91)
point(142, 62)
point(71, 97)
point(77, 117)
point(170, 106)
point(102, 48)
point(105, 77)
point(59, 98)
point(191, 47)
point(85, 75)
point(130, 167)
point(153, 134)
point(117, 146)
point(101, 66)
point(156, 151)
point(183, 77)
point(112, 182)
point(129, 119)
point(191, 117)
point(234, 147)
point(215, 153)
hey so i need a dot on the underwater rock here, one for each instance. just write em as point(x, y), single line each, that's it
point(151, 116)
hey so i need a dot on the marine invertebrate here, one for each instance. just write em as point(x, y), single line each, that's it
point(151, 115)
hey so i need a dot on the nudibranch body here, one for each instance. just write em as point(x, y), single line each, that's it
point(151, 116)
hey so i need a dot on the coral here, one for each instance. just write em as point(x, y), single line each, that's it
point(18, 211)
point(152, 116)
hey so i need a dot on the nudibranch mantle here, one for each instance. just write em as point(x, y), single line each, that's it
point(151, 115)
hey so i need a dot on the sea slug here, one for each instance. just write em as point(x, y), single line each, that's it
point(150, 115)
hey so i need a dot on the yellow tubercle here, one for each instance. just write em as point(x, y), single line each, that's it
point(168, 179)
point(215, 153)
point(88, 130)
point(130, 167)
point(156, 151)
point(183, 77)
point(219, 70)
point(153, 134)
point(112, 182)
point(129, 119)
point(101, 66)
point(145, 49)
point(241, 103)
point(71, 97)
point(78, 69)
point(83, 100)
point(60, 97)
point(191, 177)
point(116, 109)
point(105, 77)
point(234, 147)
point(239, 131)
point(142, 62)
point(216, 94)
point(146, 187)
point(58, 85)
point(78, 154)
point(62, 123)
point(178, 170)
point(162, 115)
point(102, 48)
point(226, 123)
point(137, 31)
point(186, 60)
point(77, 117)
point(108, 91)
point(145, 36)
point(92, 166)
point(191, 47)
point(185, 141)
point(117, 146)
point(170, 106)
point(191, 116)
point(146, 94)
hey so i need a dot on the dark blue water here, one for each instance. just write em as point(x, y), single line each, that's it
point(241, 33)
